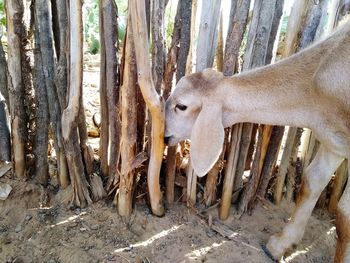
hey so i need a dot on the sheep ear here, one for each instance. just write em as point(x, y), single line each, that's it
point(207, 139)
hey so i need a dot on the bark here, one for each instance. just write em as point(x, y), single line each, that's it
point(129, 125)
point(230, 172)
point(111, 42)
point(232, 16)
point(235, 36)
point(158, 42)
point(45, 40)
point(179, 51)
point(246, 136)
point(220, 47)
point(40, 150)
point(173, 54)
point(292, 169)
point(86, 150)
point(207, 36)
point(62, 50)
point(270, 159)
point(60, 25)
point(282, 170)
point(81, 196)
point(109, 95)
point(189, 65)
point(154, 103)
point(104, 129)
point(185, 37)
point(16, 33)
point(237, 27)
point(3, 75)
point(191, 186)
point(250, 189)
point(5, 142)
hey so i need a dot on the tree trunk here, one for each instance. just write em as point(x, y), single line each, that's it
point(129, 125)
point(292, 169)
point(158, 42)
point(270, 159)
point(104, 129)
point(153, 102)
point(220, 47)
point(248, 194)
point(81, 196)
point(189, 64)
point(237, 27)
point(40, 150)
point(61, 79)
point(230, 172)
point(207, 36)
point(282, 169)
point(5, 142)
point(109, 93)
point(3, 75)
point(16, 33)
point(181, 37)
point(45, 40)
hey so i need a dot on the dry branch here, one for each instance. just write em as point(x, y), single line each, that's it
point(81, 196)
point(153, 101)
point(15, 31)
point(129, 125)
point(238, 22)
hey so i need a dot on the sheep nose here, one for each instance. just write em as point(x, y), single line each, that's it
point(166, 139)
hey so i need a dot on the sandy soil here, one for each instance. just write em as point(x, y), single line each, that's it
point(36, 227)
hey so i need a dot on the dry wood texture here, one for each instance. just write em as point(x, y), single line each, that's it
point(153, 101)
point(16, 30)
point(129, 125)
point(70, 115)
point(237, 26)
point(109, 90)
point(178, 54)
point(5, 140)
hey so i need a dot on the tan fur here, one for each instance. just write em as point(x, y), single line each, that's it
point(310, 89)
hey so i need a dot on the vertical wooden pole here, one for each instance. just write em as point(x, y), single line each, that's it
point(153, 101)
point(206, 46)
point(129, 125)
point(239, 15)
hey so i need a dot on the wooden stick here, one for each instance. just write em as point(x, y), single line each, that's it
point(230, 172)
point(153, 101)
point(339, 183)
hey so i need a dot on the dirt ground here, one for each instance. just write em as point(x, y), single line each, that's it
point(35, 226)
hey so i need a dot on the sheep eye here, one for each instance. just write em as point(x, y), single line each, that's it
point(181, 107)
